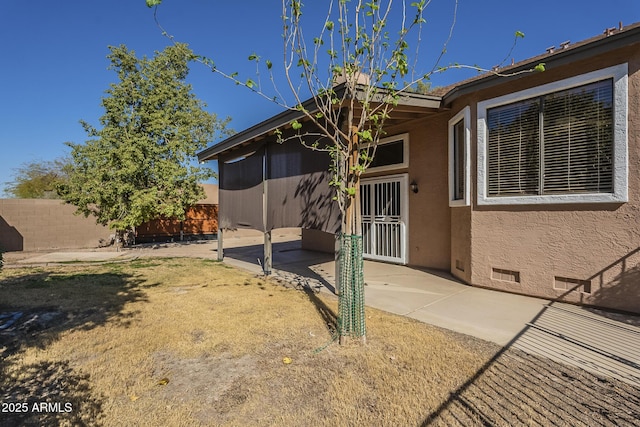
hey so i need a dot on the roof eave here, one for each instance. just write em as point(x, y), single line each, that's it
point(278, 121)
point(262, 128)
point(583, 50)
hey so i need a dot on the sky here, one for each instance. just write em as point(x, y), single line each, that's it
point(54, 72)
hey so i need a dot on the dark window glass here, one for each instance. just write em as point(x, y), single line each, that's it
point(459, 154)
point(390, 153)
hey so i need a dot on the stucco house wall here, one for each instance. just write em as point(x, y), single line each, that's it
point(534, 249)
point(429, 218)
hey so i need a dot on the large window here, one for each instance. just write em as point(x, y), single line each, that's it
point(561, 146)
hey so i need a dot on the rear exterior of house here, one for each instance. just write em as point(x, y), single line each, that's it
point(555, 162)
point(527, 184)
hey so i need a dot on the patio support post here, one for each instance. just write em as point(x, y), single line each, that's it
point(267, 253)
point(220, 247)
point(267, 262)
point(219, 235)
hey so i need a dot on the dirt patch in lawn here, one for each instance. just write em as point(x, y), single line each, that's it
point(193, 342)
point(216, 381)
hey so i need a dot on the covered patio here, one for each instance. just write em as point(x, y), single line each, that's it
point(271, 177)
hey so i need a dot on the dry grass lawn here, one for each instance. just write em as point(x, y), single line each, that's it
point(184, 342)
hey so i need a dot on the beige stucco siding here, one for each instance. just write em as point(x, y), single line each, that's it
point(460, 254)
point(547, 250)
point(429, 217)
point(460, 261)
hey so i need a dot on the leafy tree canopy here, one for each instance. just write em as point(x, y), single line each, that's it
point(139, 165)
point(421, 87)
point(39, 179)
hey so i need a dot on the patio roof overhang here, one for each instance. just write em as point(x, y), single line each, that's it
point(410, 106)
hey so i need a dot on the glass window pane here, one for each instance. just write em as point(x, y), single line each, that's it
point(391, 153)
point(458, 161)
point(514, 149)
point(578, 140)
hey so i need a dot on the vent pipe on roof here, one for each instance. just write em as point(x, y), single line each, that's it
point(608, 31)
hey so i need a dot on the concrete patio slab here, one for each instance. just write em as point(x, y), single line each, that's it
point(492, 316)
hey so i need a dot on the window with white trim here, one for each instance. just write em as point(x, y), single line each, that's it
point(459, 158)
point(390, 153)
point(562, 143)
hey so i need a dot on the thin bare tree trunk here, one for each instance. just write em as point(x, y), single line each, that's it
point(351, 317)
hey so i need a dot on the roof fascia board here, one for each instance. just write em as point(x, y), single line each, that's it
point(262, 128)
point(279, 120)
point(409, 99)
point(556, 59)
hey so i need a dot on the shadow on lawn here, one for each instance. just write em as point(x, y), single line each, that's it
point(516, 388)
point(49, 393)
point(35, 310)
point(294, 274)
point(329, 318)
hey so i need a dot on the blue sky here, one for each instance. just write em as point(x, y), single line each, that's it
point(54, 66)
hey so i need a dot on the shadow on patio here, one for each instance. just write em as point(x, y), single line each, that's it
point(290, 262)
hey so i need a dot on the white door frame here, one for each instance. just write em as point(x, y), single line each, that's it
point(369, 237)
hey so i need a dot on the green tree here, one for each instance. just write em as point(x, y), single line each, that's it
point(421, 87)
point(39, 179)
point(139, 165)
